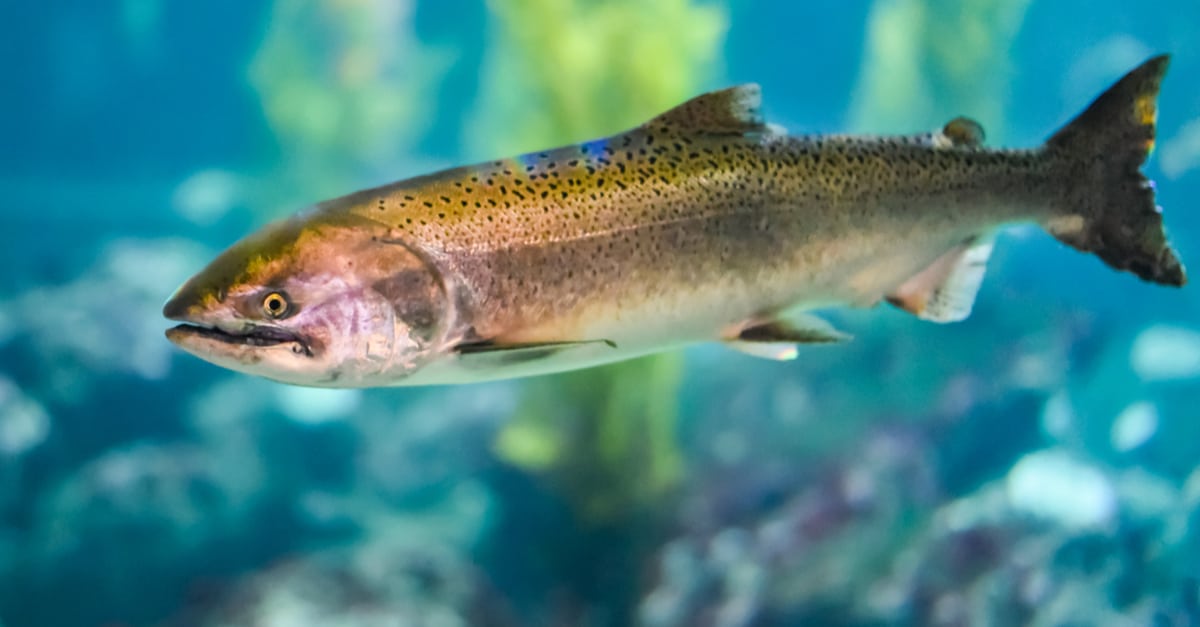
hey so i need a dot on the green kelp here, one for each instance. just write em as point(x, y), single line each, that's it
point(347, 88)
point(924, 58)
point(597, 67)
point(605, 436)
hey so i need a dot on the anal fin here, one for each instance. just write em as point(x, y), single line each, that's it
point(945, 290)
point(779, 338)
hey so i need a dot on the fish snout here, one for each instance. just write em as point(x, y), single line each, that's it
point(190, 303)
point(177, 306)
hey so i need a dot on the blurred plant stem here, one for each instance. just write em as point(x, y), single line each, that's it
point(605, 437)
point(932, 59)
point(562, 71)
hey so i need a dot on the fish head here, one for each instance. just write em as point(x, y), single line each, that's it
point(333, 302)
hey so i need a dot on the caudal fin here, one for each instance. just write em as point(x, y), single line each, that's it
point(1108, 208)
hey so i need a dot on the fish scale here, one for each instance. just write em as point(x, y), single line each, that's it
point(609, 224)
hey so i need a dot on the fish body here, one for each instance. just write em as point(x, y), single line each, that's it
point(704, 224)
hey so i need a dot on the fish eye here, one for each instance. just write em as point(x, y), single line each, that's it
point(276, 305)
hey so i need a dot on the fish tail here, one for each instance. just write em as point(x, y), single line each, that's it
point(1109, 209)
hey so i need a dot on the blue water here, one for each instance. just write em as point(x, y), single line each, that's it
point(1035, 464)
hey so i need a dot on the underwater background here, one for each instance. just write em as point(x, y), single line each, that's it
point(1036, 464)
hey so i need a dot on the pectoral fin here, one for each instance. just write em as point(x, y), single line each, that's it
point(945, 290)
point(481, 355)
point(779, 338)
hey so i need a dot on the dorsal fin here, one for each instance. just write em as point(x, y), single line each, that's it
point(731, 111)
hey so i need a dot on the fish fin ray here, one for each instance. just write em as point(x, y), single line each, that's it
point(778, 338)
point(945, 290)
point(731, 111)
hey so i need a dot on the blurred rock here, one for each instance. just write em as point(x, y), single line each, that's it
point(367, 585)
point(439, 437)
point(206, 196)
point(405, 570)
point(1054, 485)
point(170, 496)
point(807, 554)
point(24, 423)
point(131, 528)
point(1058, 541)
point(25, 427)
point(1134, 426)
point(1181, 153)
point(316, 405)
point(1058, 416)
point(109, 320)
point(984, 441)
point(1164, 352)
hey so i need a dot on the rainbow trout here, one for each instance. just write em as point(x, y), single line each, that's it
point(703, 224)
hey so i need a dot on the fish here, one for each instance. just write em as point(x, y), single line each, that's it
point(704, 224)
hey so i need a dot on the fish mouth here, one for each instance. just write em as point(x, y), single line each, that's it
point(256, 336)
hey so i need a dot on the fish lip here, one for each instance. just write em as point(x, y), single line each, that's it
point(256, 336)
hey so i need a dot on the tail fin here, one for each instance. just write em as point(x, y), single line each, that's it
point(1110, 209)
